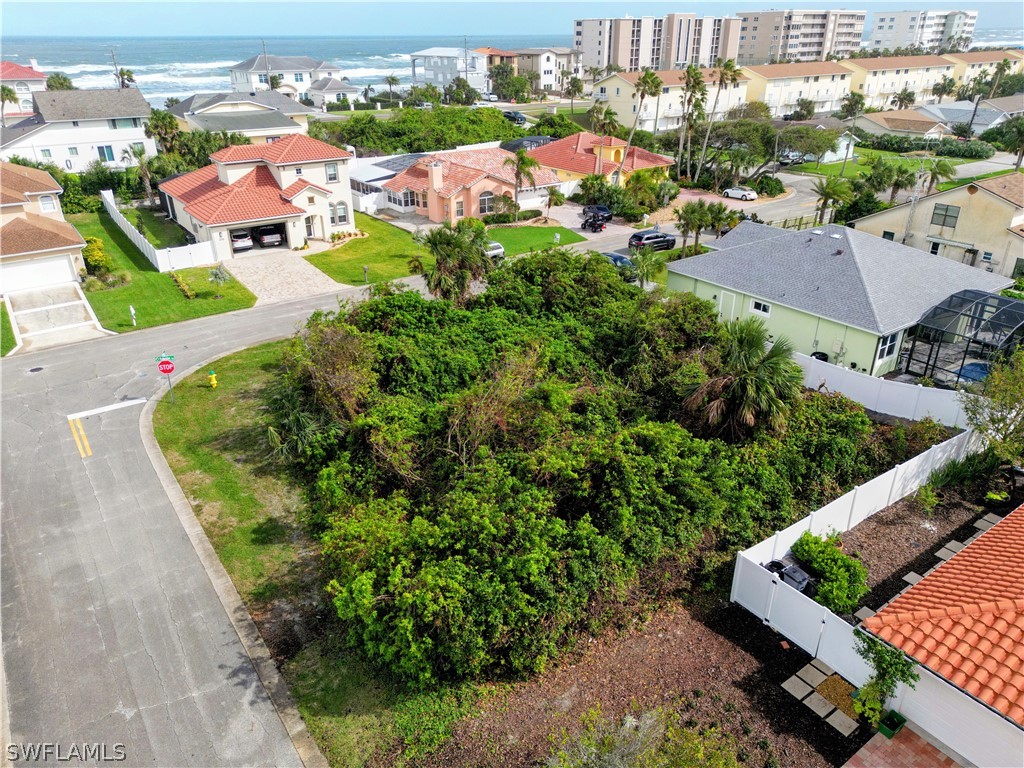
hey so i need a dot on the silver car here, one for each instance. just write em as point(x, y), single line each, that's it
point(495, 250)
point(740, 193)
point(240, 240)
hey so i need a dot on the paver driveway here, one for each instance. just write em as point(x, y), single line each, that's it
point(280, 275)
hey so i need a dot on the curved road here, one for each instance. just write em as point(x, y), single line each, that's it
point(112, 631)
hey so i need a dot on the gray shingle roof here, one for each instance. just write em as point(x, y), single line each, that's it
point(273, 99)
point(11, 133)
point(852, 277)
point(91, 104)
point(234, 122)
point(259, 63)
point(333, 85)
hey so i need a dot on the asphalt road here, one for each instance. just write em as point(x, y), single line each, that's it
point(112, 631)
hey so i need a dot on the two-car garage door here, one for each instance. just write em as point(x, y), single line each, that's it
point(36, 273)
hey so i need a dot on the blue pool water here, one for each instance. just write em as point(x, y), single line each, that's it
point(974, 371)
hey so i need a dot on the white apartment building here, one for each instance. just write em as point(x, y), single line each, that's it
point(773, 36)
point(297, 73)
point(439, 66)
point(667, 42)
point(929, 30)
point(549, 63)
point(71, 129)
point(781, 86)
point(879, 79)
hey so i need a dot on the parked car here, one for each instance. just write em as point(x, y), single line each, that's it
point(740, 193)
point(659, 241)
point(627, 269)
point(600, 212)
point(490, 97)
point(495, 250)
point(422, 105)
point(240, 240)
point(515, 117)
point(268, 237)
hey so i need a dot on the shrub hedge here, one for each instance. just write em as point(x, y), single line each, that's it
point(844, 579)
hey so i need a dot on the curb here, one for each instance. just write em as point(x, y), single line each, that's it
point(235, 609)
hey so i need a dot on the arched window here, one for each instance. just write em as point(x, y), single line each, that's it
point(47, 203)
point(21, 87)
point(26, 105)
point(486, 202)
point(339, 214)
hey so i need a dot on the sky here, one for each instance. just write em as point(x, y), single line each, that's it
point(155, 18)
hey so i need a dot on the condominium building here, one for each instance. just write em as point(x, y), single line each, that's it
point(930, 30)
point(773, 36)
point(782, 86)
point(549, 64)
point(664, 42)
point(878, 80)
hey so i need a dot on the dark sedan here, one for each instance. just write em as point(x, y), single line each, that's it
point(650, 238)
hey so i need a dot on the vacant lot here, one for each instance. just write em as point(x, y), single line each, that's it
point(525, 239)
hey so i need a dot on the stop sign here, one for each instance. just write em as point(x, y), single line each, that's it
point(165, 366)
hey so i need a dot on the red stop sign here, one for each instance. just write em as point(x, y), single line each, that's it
point(165, 366)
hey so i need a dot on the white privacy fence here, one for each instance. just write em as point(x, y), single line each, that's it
point(911, 401)
point(164, 259)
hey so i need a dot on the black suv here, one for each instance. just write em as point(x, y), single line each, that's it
point(516, 117)
point(602, 213)
point(659, 241)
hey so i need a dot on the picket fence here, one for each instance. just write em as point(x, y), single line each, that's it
point(164, 259)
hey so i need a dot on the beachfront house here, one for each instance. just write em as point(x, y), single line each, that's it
point(262, 116)
point(71, 129)
point(296, 74)
point(549, 63)
point(438, 66)
point(24, 81)
point(333, 90)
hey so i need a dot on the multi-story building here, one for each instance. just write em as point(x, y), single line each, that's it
point(782, 86)
point(296, 73)
point(24, 81)
point(668, 42)
point(439, 66)
point(970, 64)
point(773, 36)
point(71, 129)
point(878, 80)
point(497, 56)
point(549, 63)
point(930, 30)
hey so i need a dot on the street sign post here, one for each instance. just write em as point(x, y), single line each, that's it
point(165, 364)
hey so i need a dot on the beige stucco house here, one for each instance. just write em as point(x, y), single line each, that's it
point(299, 186)
point(979, 224)
point(781, 86)
point(878, 80)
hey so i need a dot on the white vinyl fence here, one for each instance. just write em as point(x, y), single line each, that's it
point(911, 401)
point(164, 259)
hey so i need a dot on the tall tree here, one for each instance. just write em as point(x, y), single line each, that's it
point(946, 86)
point(125, 78)
point(594, 73)
point(692, 216)
point(903, 178)
point(58, 81)
point(612, 69)
point(459, 259)
point(647, 85)
point(7, 96)
point(693, 100)
point(523, 167)
point(904, 99)
point(726, 74)
point(852, 105)
point(163, 127)
point(134, 156)
point(830, 190)
point(391, 81)
point(368, 92)
point(1013, 137)
point(719, 216)
point(534, 78)
point(573, 90)
point(1001, 69)
point(171, 101)
point(940, 170)
point(603, 121)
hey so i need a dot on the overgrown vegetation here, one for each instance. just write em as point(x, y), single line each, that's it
point(843, 579)
point(891, 667)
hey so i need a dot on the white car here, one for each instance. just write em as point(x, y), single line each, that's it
point(740, 193)
point(495, 250)
point(490, 97)
point(240, 240)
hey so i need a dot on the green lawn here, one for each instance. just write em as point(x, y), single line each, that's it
point(863, 164)
point(968, 179)
point(155, 297)
point(160, 230)
point(247, 502)
point(386, 252)
point(523, 239)
point(6, 331)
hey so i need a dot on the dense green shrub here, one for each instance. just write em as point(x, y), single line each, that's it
point(971, 150)
point(947, 147)
point(97, 262)
point(498, 218)
point(843, 579)
point(768, 186)
point(186, 290)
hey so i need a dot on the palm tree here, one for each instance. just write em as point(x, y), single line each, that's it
point(946, 86)
point(1013, 137)
point(904, 99)
point(603, 121)
point(573, 89)
point(391, 81)
point(903, 178)
point(611, 69)
point(163, 127)
point(648, 84)
point(753, 385)
point(534, 77)
point(7, 96)
point(727, 73)
point(693, 101)
point(648, 263)
point(553, 196)
point(881, 175)
point(830, 190)
point(136, 155)
point(58, 81)
point(693, 217)
point(1001, 69)
point(522, 166)
point(719, 216)
point(940, 170)
point(459, 259)
point(125, 78)
point(593, 73)
point(367, 92)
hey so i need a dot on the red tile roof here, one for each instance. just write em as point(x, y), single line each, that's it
point(576, 154)
point(294, 188)
point(463, 169)
point(12, 71)
point(965, 620)
point(253, 197)
point(297, 148)
point(797, 69)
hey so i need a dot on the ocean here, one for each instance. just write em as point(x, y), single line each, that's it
point(181, 66)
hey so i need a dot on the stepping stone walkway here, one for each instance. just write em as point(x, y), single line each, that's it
point(802, 685)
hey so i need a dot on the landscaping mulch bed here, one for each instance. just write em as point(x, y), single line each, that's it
point(838, 691)
point(716, 666)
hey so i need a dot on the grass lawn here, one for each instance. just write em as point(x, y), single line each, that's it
point(968, 179)
point(861, 167)
point(155, 297)
point(523, 239)
point(160, 230)
point(247, 503)
point(6, 331)
point(386, 252)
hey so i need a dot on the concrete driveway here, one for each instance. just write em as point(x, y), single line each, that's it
point(52, 316)
point(280, 274)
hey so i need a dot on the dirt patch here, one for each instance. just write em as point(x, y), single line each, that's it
point(837, 690)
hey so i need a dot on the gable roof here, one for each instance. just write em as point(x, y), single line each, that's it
point(240, 122)
point(90, 104)
point(33, 233)
point(11, 134)
point(272, 99)
point(839, 273)
point(10, 70)
point(1009, 187)
point(332, 85)
point(462, 169)
point(17, 182)
point(287, 151)
point(1006, 104)
point(965, 620)
point(797, 69)
point(254, 197)
point(904, 120)
point(261, 63)
point(674, 77)
point(898, 62)
point(577, 153)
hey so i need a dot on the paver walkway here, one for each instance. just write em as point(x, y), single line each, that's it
point(905, 750)
point(281, 275)
point(802, 685)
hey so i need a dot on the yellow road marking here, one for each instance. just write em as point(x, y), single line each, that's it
point(80, 439)
point(85, 440)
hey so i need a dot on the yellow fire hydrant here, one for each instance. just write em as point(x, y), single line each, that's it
point(213, 379)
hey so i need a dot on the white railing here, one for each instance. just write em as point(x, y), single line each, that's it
point(164, 259)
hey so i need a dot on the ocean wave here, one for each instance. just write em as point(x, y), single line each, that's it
point(148, 82)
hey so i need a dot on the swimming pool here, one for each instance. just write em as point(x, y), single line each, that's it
point(974, 371)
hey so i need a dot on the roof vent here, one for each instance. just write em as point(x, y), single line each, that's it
point(839, 252)
point(834, 236)
point(817, 232)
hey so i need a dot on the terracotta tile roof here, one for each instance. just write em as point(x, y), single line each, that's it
point(903, 120)
point(17, 182)
point(488, 51)
point(965, 620)
point(292, 149)
point(798, 69)
point(576, 154)
point(1009, 187)
point(294, 188)
point(253, 197)
point(10, 70)
point(672, 77)
point(898, 62)
point(35, 233)
point(984, 57)
point(463, 169)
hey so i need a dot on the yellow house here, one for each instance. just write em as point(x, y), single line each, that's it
point(968, 65)
point(877, 80)
point(979, 224)
point(262, 116)
point(781, 86)
point(584, 154)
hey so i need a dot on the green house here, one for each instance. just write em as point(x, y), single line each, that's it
point(842, 295)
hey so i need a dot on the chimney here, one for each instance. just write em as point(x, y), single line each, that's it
point(435, 175)
point(33, 64)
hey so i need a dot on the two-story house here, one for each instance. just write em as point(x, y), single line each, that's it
point(72, 129)
point(583, 154)
point(550, 63)
point(979, 224)
point(297, 186)
point(878, 80)
point(24, 81)
point(782, 86)
point(439, 66)
point(37, 247)
point(262, 116)
point(296, 74)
